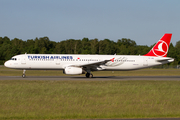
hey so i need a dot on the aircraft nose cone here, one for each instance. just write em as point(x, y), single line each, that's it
point(6, 64)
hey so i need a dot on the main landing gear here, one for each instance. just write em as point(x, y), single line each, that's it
point(89, 75)
point(24, 75)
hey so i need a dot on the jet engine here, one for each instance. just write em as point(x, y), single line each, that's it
point(73, 71)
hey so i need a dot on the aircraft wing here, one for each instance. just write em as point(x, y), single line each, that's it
point(93, 65)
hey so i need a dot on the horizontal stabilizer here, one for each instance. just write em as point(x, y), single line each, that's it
point(161, 59)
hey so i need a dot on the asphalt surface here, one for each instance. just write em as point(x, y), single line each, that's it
point(121, 78)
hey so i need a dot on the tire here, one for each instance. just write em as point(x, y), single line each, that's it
point(87, 75)
point(91, 76)
point(23, 75)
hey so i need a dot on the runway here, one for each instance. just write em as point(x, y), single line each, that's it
point(120, 78)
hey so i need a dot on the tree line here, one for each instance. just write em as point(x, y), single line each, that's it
point(43, 45)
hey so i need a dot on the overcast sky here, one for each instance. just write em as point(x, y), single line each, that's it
point(144, 21)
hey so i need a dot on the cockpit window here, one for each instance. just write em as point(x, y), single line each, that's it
point(13, 59)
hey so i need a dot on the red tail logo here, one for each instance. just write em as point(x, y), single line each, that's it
point(161, 47)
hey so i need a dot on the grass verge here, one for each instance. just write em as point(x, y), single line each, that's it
point(88, 99)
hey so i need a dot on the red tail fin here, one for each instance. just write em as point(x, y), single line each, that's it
point(161, 47)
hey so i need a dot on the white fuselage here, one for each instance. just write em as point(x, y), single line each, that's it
point(61, 61)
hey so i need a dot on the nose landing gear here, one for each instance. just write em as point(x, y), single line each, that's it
point(24, 75)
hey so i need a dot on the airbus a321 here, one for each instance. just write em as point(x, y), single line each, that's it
point(75, 64)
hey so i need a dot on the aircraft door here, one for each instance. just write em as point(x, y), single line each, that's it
point(145, 61)
point(23, 59)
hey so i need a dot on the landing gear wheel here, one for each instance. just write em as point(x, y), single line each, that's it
point(91, 76)
point(87, 75)
point(23, 75)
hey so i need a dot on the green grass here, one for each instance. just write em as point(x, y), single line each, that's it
point(88, 99)
point(142, 72)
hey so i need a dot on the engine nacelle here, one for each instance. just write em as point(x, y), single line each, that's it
point(73, 71)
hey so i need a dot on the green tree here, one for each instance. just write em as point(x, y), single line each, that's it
point(126, 47)
point(85, 49)
point(177, 49)
point(94, 46)
point(43, 45)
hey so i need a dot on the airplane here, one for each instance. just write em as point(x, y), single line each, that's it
point(76, 64)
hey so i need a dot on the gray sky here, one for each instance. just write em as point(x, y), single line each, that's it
point(144, 21)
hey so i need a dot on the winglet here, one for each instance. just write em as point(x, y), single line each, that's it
point(161, 47)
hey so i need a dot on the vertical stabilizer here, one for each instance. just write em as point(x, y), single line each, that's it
point(161, 47)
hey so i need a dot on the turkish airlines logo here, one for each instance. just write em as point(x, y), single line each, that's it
point(160, 49)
